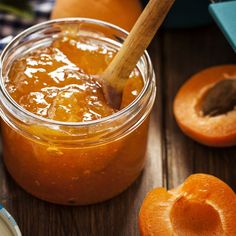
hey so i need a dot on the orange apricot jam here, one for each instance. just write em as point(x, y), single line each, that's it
point(59, 82)
point(77, 150)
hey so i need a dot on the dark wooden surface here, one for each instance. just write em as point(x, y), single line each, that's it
point(176, 54)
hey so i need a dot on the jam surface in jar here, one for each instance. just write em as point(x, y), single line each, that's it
point(59, 82)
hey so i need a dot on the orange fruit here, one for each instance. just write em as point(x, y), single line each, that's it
point(202, 206)
point(218, 130)
point(123, 13)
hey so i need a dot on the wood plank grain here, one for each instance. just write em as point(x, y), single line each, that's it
point(185, 53)
point(115, 217)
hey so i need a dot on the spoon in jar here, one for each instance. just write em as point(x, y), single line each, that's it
point(114, 77)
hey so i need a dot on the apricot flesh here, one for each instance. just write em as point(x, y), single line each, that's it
point(217, 131)
point(195, 218)
point(202, 206)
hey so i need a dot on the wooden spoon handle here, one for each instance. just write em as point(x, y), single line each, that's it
point(137, 41)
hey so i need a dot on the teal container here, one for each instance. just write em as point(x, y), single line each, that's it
point(224, 14)
point(187, 14)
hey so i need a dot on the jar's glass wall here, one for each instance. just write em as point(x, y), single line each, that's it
point(74, 163)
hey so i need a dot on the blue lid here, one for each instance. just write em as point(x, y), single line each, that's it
point(8, 226)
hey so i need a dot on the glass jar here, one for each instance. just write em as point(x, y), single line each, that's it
point(74, 162)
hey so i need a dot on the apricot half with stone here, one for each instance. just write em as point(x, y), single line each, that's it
point(202, 206)
point(204, 107)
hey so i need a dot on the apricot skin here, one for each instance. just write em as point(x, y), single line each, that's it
point(119, 12)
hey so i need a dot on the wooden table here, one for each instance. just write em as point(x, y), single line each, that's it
point(176, 54)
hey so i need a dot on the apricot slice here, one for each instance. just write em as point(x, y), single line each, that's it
point(217, 130)
point(202, 206)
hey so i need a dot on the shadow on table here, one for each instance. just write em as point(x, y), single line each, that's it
point(220, 162)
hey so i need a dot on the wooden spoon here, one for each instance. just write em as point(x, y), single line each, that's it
point(115, 76)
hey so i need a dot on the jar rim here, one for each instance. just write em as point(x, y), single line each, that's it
point(112, 117)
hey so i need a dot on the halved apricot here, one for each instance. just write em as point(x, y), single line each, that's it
point(218, 129)
point(202, 206)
